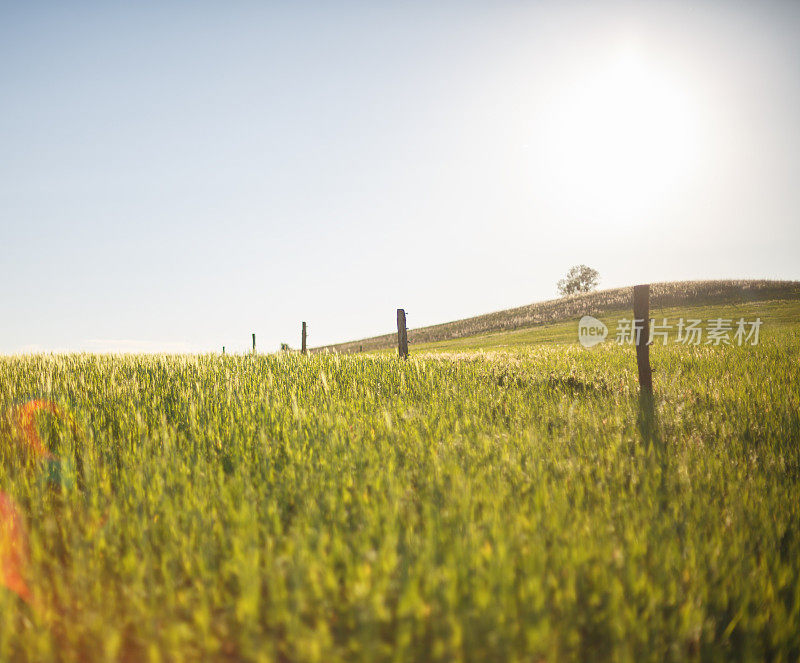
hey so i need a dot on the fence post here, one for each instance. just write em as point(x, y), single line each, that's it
point(254, 343)
point(223, 349)
point(303, 342)
point(402, 334)
point(641, 316)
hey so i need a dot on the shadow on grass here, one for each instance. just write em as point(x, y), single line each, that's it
point(647, 423)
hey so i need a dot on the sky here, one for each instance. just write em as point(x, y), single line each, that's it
point(175, 176)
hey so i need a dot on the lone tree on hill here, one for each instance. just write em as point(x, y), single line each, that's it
point(579, 278)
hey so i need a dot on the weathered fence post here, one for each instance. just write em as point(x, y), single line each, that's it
point(402, 334)
point(254, 343)
point(303, 342)
point(641, 321)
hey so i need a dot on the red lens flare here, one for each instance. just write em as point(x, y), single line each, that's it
point(26, 423)
point(13, 548)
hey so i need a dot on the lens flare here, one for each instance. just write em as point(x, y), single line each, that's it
point(13, 548)
point(20, 424)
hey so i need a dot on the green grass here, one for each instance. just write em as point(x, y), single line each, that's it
point(469, 506)
point(775, 315)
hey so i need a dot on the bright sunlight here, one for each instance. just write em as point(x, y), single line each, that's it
point(622, 139)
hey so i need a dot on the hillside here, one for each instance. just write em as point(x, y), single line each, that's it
point(670, 294)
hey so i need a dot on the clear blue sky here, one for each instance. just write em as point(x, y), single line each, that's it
point(175, 176)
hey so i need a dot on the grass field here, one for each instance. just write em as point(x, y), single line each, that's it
point(500, 498)
point(776, 315)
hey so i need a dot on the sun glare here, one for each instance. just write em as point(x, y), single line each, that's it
point(622, 139)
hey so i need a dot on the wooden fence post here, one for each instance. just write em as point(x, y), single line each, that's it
point(641, 320)
point(303, 342)
point(402, 334)
point(254, 343)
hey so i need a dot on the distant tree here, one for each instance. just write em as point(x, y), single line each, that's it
point(285, 347)
point(578, 279)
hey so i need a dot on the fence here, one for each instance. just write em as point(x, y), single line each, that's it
point(558, 310)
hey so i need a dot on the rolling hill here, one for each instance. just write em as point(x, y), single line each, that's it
point(601, 303)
